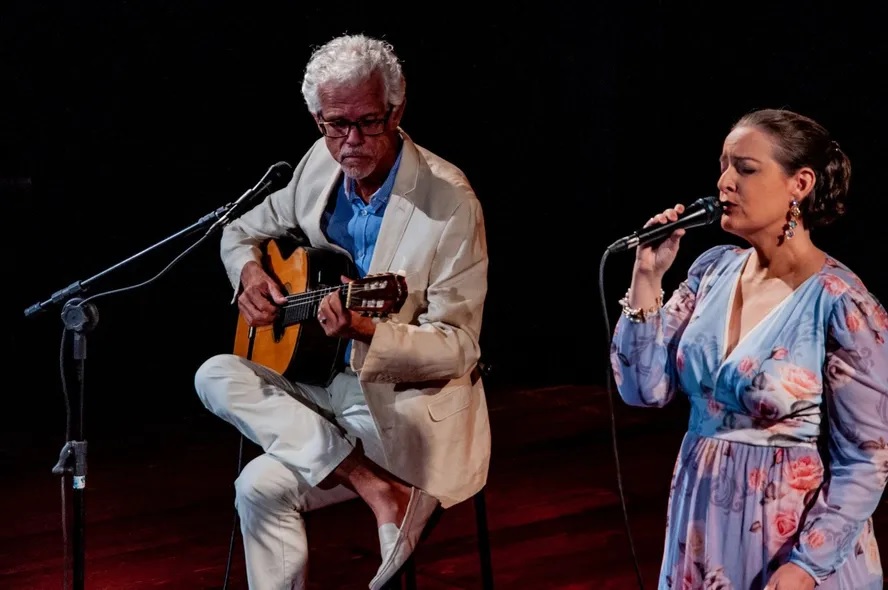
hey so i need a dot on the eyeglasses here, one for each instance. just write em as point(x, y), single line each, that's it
point(342, 127)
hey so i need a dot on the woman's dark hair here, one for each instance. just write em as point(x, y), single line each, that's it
point(802, 142)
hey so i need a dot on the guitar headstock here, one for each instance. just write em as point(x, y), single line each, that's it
point(376, 295)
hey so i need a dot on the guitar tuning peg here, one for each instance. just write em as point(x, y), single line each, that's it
point(402, 272)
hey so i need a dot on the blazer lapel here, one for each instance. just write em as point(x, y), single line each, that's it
point(399, 209)
point(316, 213)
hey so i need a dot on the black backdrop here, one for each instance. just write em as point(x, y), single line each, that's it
point(126, 122)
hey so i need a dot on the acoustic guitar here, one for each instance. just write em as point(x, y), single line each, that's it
point(295, 345)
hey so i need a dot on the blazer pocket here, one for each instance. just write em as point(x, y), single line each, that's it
point(446, 404)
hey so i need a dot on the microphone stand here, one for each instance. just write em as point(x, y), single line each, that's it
point(81, 316)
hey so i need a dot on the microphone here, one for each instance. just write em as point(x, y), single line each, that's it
point(277, 177)
point(703, 211)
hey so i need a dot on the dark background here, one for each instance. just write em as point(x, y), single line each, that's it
point(126, 122)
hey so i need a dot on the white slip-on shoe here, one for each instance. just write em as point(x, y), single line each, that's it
point(397, 544)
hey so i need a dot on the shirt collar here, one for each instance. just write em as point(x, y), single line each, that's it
point(381, 196)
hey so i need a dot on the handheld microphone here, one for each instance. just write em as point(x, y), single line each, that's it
point(277, 177)
point(703, 211)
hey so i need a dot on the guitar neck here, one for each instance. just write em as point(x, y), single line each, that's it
point(304, 306)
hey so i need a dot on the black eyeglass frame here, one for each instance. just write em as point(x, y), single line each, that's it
point(326, 127)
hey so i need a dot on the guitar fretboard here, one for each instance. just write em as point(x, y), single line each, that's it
point(303, 306)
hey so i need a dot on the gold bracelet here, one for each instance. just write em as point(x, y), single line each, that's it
point(640, 315)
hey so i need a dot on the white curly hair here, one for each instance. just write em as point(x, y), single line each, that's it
point(349, 59)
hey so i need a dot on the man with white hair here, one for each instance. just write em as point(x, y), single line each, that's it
point(404, 424)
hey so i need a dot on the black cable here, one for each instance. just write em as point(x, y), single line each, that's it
point(610, 400)
point(155, 277)
point(65, 384)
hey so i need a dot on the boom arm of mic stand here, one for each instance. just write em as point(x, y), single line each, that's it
point(78, 287)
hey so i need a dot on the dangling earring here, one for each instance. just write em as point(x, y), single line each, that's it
point(794, 214)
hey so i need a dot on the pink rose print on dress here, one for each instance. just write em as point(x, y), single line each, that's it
point(833, 284)
point(799, 382)
point(854, 320)
point(880, 318)
point(814, 539)
point(747, 366)
point(757, 479)
point(778, 354)
point(803, 474)
point(760, 400)
point(785, 522)
point(838, 372)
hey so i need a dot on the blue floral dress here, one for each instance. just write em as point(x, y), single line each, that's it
point(785, 458)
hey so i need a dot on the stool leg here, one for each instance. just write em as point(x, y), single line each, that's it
point(410, 574)
point(483, 541)
point(394, 583)
point(405, 579)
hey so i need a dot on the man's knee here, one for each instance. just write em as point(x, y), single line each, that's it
point(211, 377)
point(265, 483)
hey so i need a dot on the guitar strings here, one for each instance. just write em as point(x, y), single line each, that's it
point(321, 293)
point(317, 295)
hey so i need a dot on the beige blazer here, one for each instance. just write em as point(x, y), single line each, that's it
point(419, 372)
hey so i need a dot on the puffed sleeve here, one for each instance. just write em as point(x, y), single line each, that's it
point(856, 378)
point(642, 355)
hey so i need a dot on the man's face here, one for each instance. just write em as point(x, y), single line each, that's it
point(366, 124)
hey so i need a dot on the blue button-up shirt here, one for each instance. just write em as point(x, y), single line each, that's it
point(354, 225)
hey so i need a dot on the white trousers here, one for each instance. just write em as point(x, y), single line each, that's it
point(305, 431)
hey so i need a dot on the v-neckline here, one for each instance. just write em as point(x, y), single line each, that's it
point(724, 354)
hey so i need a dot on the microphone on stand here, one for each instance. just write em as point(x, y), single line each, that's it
point(703, 211)
point(277, 177)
